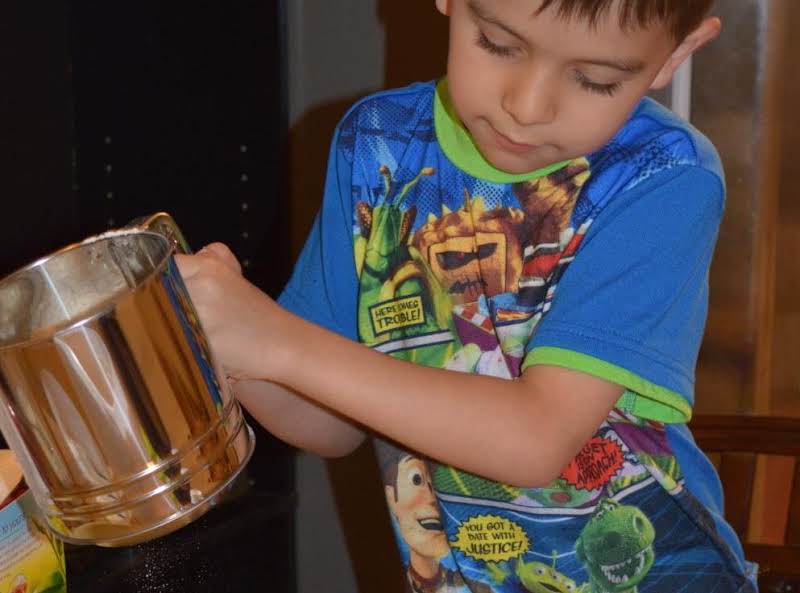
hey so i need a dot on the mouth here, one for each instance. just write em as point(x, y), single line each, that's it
point(510, 145)
point(624, 571)
point(431, 524)
point(462, 286)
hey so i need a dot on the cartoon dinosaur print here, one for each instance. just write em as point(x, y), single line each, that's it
point(616, 548)
point(560, 493)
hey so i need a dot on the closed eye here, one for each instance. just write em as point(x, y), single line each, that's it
point(504, 51)
point(596, 87)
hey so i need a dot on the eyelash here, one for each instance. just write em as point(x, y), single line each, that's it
point(595, 87)
point(507, 52)
point(498, 50)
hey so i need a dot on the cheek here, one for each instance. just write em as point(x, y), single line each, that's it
point(471, 72)
point(473, 88)
point(412, 496)
point(593, 125)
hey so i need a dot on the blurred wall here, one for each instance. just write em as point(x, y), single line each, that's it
point(339, 52)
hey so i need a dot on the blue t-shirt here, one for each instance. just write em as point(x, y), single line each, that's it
point(424, 252)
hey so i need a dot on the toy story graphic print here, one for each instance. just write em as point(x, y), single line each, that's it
point(456, 272)
point(467, 278)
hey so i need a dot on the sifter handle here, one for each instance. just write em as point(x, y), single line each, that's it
point(163, 224)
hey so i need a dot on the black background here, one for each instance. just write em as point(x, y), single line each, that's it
point(113, 110)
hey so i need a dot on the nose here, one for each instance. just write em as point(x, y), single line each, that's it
point(531, 98)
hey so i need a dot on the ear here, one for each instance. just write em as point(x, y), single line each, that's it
point(443, 6)
point(706, 32)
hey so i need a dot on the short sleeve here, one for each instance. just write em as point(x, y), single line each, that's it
point(631, 307)
point(323, 286)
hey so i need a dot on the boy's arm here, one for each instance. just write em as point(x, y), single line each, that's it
point(636, 300)
point(521, 432)
point(285, 413)
point(297, 421)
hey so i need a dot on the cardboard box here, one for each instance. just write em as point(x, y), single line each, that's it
point(31, 557)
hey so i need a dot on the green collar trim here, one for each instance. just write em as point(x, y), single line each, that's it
point(458, 146)
point(641, 397)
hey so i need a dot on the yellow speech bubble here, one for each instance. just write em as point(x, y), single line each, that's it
point(491, 538)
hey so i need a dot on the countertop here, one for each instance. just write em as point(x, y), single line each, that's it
point(244, 544)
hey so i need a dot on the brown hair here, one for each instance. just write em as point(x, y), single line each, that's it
point(680, 16)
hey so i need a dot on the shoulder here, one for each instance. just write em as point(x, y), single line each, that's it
point(688, 140)
point(655, 144)
point(402, 107)
point(385, 129)
point(656, 132)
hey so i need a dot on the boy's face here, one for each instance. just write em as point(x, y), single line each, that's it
point(534, 90)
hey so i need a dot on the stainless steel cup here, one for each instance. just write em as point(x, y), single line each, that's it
point(108, 390)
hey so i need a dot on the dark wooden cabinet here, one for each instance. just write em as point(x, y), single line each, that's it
point(179, 106)
point(39, 206)
point(114, 110)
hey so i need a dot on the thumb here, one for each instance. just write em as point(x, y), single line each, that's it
point(188, 265)
point(223, 253)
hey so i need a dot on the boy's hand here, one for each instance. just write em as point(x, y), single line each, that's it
point(234, 314)
point(249, 334)
point(221, 252)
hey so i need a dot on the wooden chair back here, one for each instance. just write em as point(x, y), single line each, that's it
point(734, 443)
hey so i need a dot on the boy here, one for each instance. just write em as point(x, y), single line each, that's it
point(536, 237)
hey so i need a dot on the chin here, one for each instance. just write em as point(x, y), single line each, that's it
point(514, 167)
point(518, 165)
point(520, 170)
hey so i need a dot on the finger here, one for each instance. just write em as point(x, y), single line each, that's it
point(224, 255)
